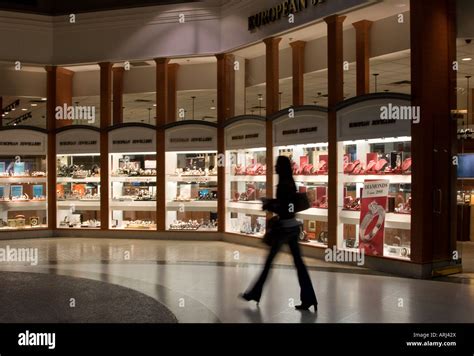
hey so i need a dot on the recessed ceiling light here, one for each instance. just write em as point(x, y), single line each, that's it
point(44, 99)
point(467, 59)
point(154, 105)
point(24, 109)
point(13, 109)
point(213, 108)
point(34, 104)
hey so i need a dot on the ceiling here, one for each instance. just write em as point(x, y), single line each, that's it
point(61, 7)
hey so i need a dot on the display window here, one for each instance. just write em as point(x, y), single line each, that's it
point(374, 177)
point(78, 178)
point(132, 176)
point(245, 175)
point(191, 177)
point(23, 179)
point(301, 135)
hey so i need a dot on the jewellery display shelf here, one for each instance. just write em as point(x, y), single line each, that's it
point(372, 149)
point(301, 135)
point(78, 178)
point(23, 180)
point(245, 175)
point(191, 177)
point(132, 177)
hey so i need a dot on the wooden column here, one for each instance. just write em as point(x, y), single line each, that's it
point(470, 114)
point(1, 111)
point(51, 74)
point(363, 55)
point(105, 121)
point(63, 92)
point(172, 91)
point(297, 48)
point(433, 51)
point(225, 110)
point(58, 93)
point(272, 64)
point(161, 116)
point(117, 74)
point(335, 95)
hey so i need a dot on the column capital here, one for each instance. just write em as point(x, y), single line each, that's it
point(298, 44)
point(105, 65)
point(362, 24)
point(162, 60)
point(174, 65)
point(118, 69)
point(271, 41)
point(334, 18)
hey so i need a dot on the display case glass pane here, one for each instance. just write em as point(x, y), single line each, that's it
point(310, 172)
point(245, 186)
point(191, 191)
point(78, 191)
point(23, 191)
point(133, 191)
point(365, 161)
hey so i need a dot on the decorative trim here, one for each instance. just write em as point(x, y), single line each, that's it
point(373, 96)
point(74, 127)
point(284, 112)
point(31, 128)
point(235, 119)
point(130, 124)
point(187, 122)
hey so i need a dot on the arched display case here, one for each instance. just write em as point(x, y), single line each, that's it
point(23, 178)
point(245, 175)
point(191, 176)
point(301, 134)
point(374, 174)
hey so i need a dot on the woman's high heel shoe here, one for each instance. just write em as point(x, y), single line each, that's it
point(249, 297)
point(304, 306)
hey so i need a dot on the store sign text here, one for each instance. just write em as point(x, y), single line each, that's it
point(283, 9)
point(301, 130)
point(369, 123)
point(133, 142)
point(77, 143)
point(242, 137)
point(190, 139)
point(16, 143)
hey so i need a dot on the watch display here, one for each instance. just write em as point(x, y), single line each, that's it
point(78, 190)
point(132, 190)
point(23, 183)
point(191, 191)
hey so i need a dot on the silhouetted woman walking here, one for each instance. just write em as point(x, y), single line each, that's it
point(288, 231)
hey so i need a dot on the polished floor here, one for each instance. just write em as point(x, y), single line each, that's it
point(200, 281)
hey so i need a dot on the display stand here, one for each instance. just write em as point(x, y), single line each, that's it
point(191, 176)
point(301, 134)
point(374, 147)
point(23, 179)
point(78, 178)
point(245, 171)
point(132, 176)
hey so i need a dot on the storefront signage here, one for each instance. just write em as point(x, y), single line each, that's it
point(191, 137)
point(132, 139)
point(363, 121)
point(372, 216)
point(304, 128)
point(22, 142)
point(77, 141)
point(276, 13)
point(245, 134)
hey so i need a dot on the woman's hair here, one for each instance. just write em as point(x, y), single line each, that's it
point(285, 171)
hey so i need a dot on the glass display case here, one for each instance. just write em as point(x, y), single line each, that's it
point(303, 139)
point(23, 180)
point(132, 176)
point(375, 220)
point(78, 179)
point(191, 177)
point(245, 175)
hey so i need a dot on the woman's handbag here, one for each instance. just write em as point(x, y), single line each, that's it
point(271, 231)
point(301, 202)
